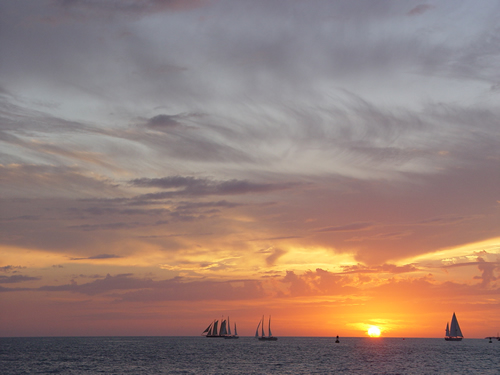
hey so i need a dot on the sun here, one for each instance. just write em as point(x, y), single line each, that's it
point(374, 331)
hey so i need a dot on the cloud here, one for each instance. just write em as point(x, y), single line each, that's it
point(16, 279)
point(145, 290)
point(488, 271)
point(444, 220)
point(100, 256)
point(319, 282)
point(116, 226)
point(164, 122)
point(275, 255)
point(347, 228)
point(10, 268)
point(127, 7)
point(192, 186)
point(420, 9)
point(384, 268)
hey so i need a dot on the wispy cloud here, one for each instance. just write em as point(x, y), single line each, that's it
point(16, 279)
point(100, 256)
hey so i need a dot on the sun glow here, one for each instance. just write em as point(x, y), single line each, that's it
point(374, 331)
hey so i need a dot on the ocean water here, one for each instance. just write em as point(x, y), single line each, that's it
point(247, 355)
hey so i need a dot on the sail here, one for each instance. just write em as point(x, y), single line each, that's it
point(270, 334)
point(257, 330)
point(223, 330)
point(228, 327)
point(214, 332)
point(262, 326)
point(447, 329)
point(235, 331)
point(455, 328)
point(208, 329)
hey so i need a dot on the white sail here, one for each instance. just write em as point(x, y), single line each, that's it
point(257, 330)
point(455, 330)
point(447, 329)
point(214, 332)
point(270, 334)
point(235, 331)
point(228, 327)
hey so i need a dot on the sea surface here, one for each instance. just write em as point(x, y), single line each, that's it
point(246, 355)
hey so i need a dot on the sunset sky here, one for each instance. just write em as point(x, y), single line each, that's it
point(334, 164)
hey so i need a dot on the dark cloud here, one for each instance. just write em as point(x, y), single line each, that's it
point(100, 256)
point(10, 268)
point(117, 226)
point(192, 186)
point(164, 122)
point(197, 205)
point(16, 279)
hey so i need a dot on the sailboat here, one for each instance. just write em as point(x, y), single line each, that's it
point(453, 332)
point(229, 336)
point(213, 329)
point(263, 337)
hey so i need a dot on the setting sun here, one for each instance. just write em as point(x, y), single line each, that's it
point(374, 331)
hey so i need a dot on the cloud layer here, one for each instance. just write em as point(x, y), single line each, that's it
point(273, 150)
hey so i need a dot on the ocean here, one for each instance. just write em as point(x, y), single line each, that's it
point(247, 355)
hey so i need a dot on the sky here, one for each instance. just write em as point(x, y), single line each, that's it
point(333, 164)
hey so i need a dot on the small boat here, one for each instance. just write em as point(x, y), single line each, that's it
point(263, 337)
point(453, 332)
point(229, 336)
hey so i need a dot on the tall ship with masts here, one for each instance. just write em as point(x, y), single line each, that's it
point(453, 331)
point(224, 331)
point(263, 337)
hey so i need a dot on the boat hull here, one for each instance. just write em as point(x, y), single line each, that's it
point(453, 338)
point(272, 338)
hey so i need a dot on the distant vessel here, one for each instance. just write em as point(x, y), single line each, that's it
point(453, 332)
point(229, 336)
point(263, 337)
point(214, 331)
